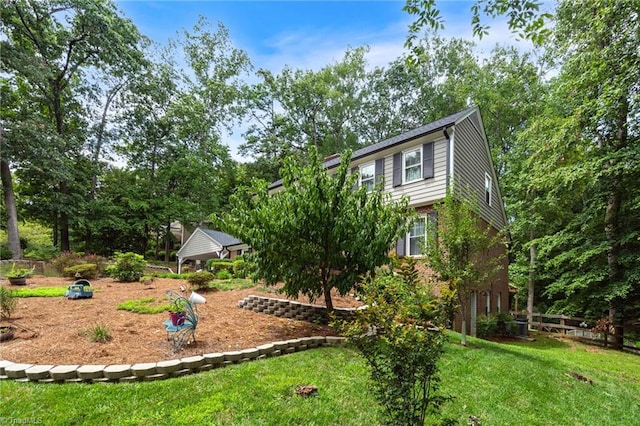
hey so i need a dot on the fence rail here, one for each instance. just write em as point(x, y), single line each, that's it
point(572, 326)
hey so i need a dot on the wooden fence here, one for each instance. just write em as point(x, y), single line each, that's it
point(573, 326)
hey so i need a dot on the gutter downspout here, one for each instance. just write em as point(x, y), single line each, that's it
point(449, 163)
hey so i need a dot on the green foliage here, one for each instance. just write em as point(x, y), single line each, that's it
point(73, 258)
point(316, 234)
point(232, 284)
point(524, 19)
point(8, 302)
point(145, 305)
point(99, 333)
point(486, 326)
point(455, 250)
point(40, 292)
point(17, 272)
point(178, 305)
point(481, 377)
point(224, 275)
point(128, 267)
point(199, 280)
point(240, 268)
point(500, 324)
point(83, 270)
point(400, 337)
point(217, 265)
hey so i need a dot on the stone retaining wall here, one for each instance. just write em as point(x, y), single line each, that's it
point(156, 370)
point(295, 310)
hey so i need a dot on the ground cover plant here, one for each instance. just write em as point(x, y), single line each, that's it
point(39, 292)
point(501, 384)
point(146, 305)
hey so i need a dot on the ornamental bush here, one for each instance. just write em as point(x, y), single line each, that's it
point(83, 270)
point(128, 267)
point(401, 336)
point(201, 279)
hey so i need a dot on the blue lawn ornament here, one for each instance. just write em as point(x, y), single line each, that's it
point(80, 289)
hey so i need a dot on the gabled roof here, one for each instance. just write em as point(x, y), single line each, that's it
point(435, 126)
point(224, 239)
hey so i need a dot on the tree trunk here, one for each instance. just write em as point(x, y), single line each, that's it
point(612, 223)
point(327, 297)
point(63, 222)
point(12, 212)
point(533, 254)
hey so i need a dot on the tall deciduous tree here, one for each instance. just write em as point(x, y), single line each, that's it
point(48, 47)
point(600, 92)
point(297, 110)
point(317, 233)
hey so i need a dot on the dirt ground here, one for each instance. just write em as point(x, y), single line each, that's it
point(54, 330)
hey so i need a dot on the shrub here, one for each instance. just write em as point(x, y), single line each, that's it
point(506, 325)
point(73, 258)
point(500, 324)
point(66, 260)
point(400, 335)
point(99, 333)
point(486, 326)
point(129, 267)
point(240, 268)
point(8, 302)
point(217, 265)
point(224, 275)
point(83, 270)
point(199, 280)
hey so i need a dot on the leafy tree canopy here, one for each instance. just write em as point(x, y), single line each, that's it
point(318, 233)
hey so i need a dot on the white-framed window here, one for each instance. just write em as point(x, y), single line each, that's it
point(487, 189)
point(368, 176)
point(412, 165)
point(499, 302)
point(417, 237)
point(487, 302)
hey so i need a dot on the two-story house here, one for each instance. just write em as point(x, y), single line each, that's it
point(420, 164)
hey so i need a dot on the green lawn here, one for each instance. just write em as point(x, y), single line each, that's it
point(504, 384)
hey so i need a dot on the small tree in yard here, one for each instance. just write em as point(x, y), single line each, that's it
point(455, 249)
point(401, 336)
point(319, 232)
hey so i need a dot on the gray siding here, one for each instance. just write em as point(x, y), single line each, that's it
point(198, 244)
point(424, 191)
point(471, 160)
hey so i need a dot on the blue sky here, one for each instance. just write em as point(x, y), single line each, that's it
point(303, 34)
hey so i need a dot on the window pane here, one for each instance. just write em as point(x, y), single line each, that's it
point(413, 173)
point(366, 172)
point(412, 165)
point(367, 177)
point(412, 158)
point(417, 237)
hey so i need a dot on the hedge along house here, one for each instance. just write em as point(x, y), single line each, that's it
point(421, 164)
point(204, 244)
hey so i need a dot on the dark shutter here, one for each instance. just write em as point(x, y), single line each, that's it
point(379, 171)
point(397, 169)
point(400, 247)
point(427, 160)
point(357, 182)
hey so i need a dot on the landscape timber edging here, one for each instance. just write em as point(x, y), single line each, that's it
point(150, 371)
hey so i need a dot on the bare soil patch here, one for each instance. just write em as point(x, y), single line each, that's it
point(54, 330)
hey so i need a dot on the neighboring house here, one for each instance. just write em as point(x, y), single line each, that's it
point(204, 244)
point(421, 164)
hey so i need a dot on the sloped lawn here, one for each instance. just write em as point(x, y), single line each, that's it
point(520, 383)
